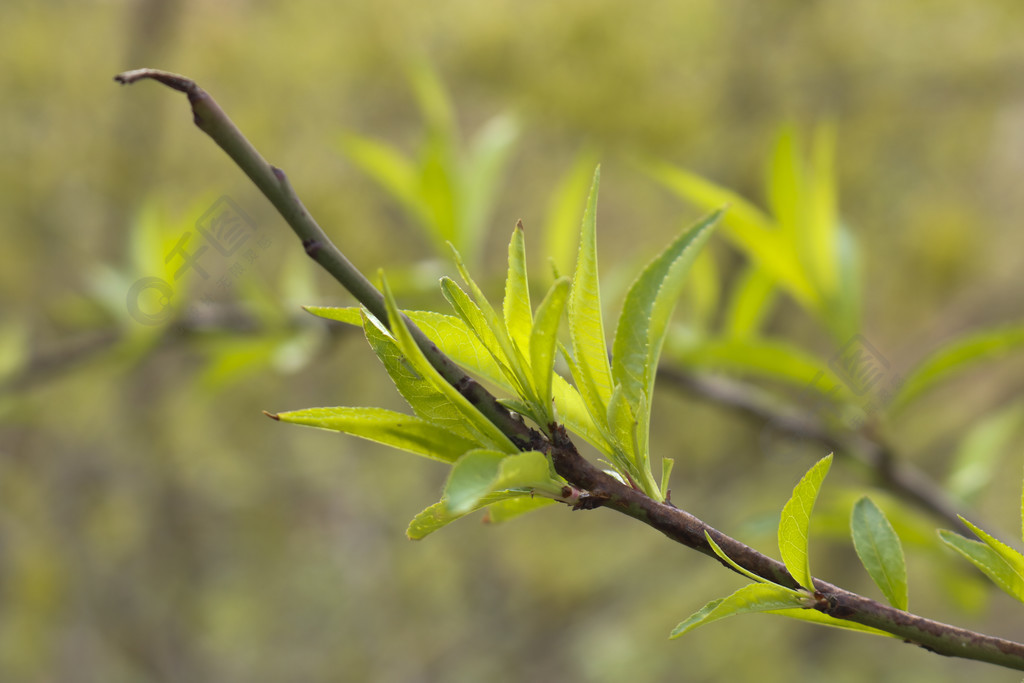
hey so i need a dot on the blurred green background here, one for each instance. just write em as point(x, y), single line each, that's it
point(154, 526)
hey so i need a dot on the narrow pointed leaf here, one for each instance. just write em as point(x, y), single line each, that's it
point(389, 168)
point(796, 520)
point(1013, 559)
point(483, 429)
point(475, 319)
point(815, 617)
point(956, 357)
point(988, 560)
point(754, 597)
point(438, 515)
point(564, 213)
point(505, 510)
point(544, 340)
point(752, 298)
point(481, 176)
point(422, 396)
point(747, 227)
point(516, 306)
point(586, 321)
point(644, 321)
point(398, 430)
point(880, 551)
point(350, 315)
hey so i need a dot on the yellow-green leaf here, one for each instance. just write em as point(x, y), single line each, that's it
point(754, 597)
point(398, 430)
point(796, 520)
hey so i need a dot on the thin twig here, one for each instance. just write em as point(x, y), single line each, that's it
point(910, 484)
point(603, 490)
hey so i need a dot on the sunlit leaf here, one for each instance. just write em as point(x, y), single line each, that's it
point(750, 303)
point(398, 430)
point(564, 213)
point(956, 357)
point(481, 472)
point(1005, 574)
point(439, 515)
point(586, 322)
point(516, 306)
point(483, 429)
point(505, 510)
point(391, 169)
point(796, 520)
point(643, 324)
point(786, 182)
point(879, 550)
point(544, 340)
point(488, 156)
point(747, 227)
point(423, 397)
point(815, 617)
point(754, 597)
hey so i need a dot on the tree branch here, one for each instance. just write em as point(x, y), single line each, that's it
point(909, 483)
point(603, 490)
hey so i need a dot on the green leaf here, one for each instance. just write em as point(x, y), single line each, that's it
point(505, 510)
point(544, 341)
point(481, 472)
point(586, 322)
point(483, 429)
point(879, 550)
point(820, 248)
point(751, 301)
point(786, 181)
point(796, 520)
point(473, 316)
point(562, 221)
point(956, 357)
point(350, 315)
point(489, 152)
point(516, 306)
point(472, 477)
point(978, 453)
point(747, 227)
point(815, 617)
point(390, 169)
point(1007, 575)
point(398, 430)
point(438, 515)
point(754, 597)
point(422, 396)
point(644, 323)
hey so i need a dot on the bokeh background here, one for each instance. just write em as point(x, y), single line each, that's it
point(154, 526)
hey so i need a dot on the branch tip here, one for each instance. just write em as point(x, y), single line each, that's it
point(272, 416)
point(171, 80)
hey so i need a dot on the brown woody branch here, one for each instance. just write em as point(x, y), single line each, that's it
point(603, 490)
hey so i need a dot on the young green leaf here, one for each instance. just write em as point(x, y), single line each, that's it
point(475, 319)
point(428, 402)
point(752, 300)
point(796, 520)
point(644, 323)
point(516, 306)
point(754, 597)
point(747, 227)
point(815, 617)
point(483, 429)
point(956, 357)
point(480, 472)
point(544, 341)
point(505, 510)
point(990, 561)
point(438, 515)
point(564, 212)
point(586, 321)
point(487, 158)
point(879, 550)
point(398, 430)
